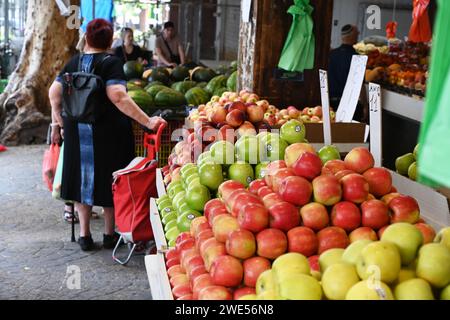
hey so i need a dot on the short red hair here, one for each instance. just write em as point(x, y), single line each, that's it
point(99, 34)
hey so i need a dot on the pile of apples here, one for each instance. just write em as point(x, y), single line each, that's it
point(406, 164)
point(307, 115)
point(304, 211)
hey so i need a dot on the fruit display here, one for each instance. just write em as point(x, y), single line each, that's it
point(406, 165)
point(310, 228)
point(403, 68)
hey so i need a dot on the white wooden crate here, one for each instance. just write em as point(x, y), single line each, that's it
point(157, 277)
point(160, 183)
point(157, 227)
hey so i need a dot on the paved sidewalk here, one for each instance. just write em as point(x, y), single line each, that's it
point(35, 247)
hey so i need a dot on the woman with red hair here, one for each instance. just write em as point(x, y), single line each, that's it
point(93, 151)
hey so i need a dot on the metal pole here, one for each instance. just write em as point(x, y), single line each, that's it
point(93, 9)
point(6, 21)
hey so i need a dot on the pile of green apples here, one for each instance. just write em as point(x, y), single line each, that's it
point(406, 165)
point(397, 267)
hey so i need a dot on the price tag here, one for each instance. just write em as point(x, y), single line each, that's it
point(323, 78)
point(352, 90)
point(375, 123)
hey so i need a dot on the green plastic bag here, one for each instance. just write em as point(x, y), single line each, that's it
point(434, 148)
point(56, 193)
point(299, 48)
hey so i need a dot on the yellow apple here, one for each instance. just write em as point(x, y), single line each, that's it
point(353, 251)
point(444, 237)
point(316, 274)
point(413, 289)
point(379, 260)
point(290, 263)
point(299, 286)
point(266, 283)
point(267, 295)
point(330, 257)
point(366, 290)
point(445, 293)
point(249, 297)
point(433, 264)
point(338, 279)
point(404, 275)
point(406, 237)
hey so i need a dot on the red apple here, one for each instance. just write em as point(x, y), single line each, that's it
point(302, 240)
point(172, 253)
point(195, 225)
point(380, 232)
point(227, 187)
point(380, 181)
point(246, 129)
point(235, 118)
point(230, 201)
point(212, 252)
point(271, 243)
point(255, 185)
point(243, 292)
point(262, 192)
point(186, 297)
point(346, 215)
point(279, 176)
point(237, 105)
point(270, 170)
point(255, 113)
point(296, 190)
point(213, 203)
point(308, 165)
point(201, 282)
point(427, 231)
point(241, 244)
point(227, 271)
point(174, 270)
point(374, 214)
point(314, 263)
point(359, 160)
point(215, 293)
point(342, 173)
point(295, 150)
point(284, 216)
point(253, 267)
point(332, 237)
point(181, 290)
point(404, 209)
point(354, 188)
point(193, 262)
point(315, 216)
point(253, 217)
point(187, 254)
point(216, 212)
point(334, 166)
point(388, 197)
point(195, 272)
point(185, 245)
point(218, 115)
point(363, 233)
point(271, 199)
point(242, 200)
point(182, 237)
point(223, 225)
point(327, 190)
point(202, 236)
point(226, 132)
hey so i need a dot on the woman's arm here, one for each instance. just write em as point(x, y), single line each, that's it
point(162, 58)
point(181, 54)
point(118, 95)
point(55, 96)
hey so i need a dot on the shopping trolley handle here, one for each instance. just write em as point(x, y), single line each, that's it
point(152, 141)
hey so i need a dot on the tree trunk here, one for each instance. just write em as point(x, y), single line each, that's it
point(48, 44)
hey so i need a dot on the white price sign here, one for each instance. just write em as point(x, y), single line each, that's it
point(375, 123)
point(323, 78)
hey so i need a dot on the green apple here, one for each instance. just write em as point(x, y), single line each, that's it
point(353, 251)
point(406, 237)
point(416, 152)
point(192, 180)
point(242, 172)
point(330, 257)
point(265, 284)
point(433, 264)
point(166, 211)
point(184, 220)
point(172, 185)
point(186, 167)
point(172, 233)
point(290, 263)
point(379, 260)
point(405, 274)
point(412, 171)
point(183, 207)
point(175, 190)
point(247, 149)
point(211, 176)
point(170, 225)
point(204, 156)
point(260, 170)
point(197, 196)
point(338, 279)
point(272, 147)
point(189, 172)
point(164, 204)
point(179, 196)
point(299, 286)
point(443, 237)
point(170, 217)
point(293, 131)
point(171, 243)
point(413, 289)
point(366, 290)
point(222, 152)
point(160, 199)
point(403, 162)
point(445, 293)
point(330, 152)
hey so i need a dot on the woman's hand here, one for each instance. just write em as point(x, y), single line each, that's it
point(56, 135)
point(155, 122)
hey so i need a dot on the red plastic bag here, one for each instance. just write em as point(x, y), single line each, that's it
point(3, 148)
point(49, 165)
point(420, 29)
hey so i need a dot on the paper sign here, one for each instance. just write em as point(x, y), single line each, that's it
point(375, 123)
point(352, 89)
point(323, 78)
point(245, 7)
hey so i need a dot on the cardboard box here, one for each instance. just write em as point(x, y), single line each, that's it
point(340, 132)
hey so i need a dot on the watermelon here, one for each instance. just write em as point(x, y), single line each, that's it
point(220, 91)
point(153, 90)
point(138, 82)
point(231, 82)
point(202, 84)
point(133, 70)
point(183, 86)
point(143, 100)
point(200, 74)
point(169, 98)
point(132, 87)
point(162, 70)
point(216, 83)
point(179, 73)
point(159, 76)
point(153, 83)
point(197, 96)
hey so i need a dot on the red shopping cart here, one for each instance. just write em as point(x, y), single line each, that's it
point(132, 188)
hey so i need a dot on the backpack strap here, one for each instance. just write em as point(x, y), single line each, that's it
point(94, 69)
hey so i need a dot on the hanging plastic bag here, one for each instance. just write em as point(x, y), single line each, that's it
point(420, 28)
point(434, 148)
point(49, 165)
point(391, 29)
point(299, 48)
point(56, 192)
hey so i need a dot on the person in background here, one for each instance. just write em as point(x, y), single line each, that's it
point(339, 67)
point(92, 152)
point(128, 51)
point(168, 47)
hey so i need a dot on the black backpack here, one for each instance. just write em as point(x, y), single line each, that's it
point(84, 95)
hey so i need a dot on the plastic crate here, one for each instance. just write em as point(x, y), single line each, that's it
point(138, 132)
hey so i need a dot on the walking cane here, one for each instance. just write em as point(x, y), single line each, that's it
point(73, 223)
